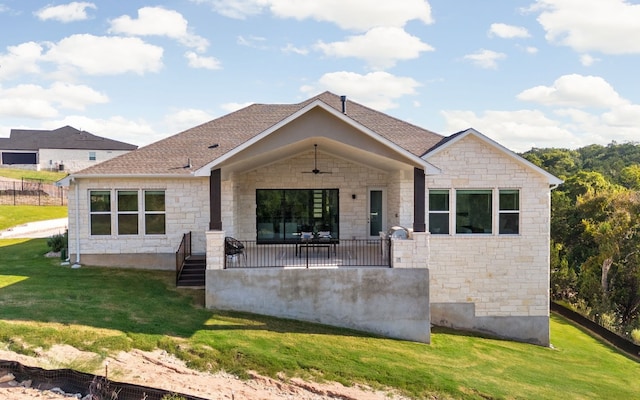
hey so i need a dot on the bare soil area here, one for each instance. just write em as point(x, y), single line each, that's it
point(158, 369)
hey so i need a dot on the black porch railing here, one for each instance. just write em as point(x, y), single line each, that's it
point(184, 252)
point(334, 253)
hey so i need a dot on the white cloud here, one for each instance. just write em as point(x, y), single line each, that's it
point(610, 27)
point(485, 58)
point(377, 90)
point(381, 47)
point(238, 9)
point(587, 60)
point(158, 21)
point(531, 50)
point(117, 128)
point(74, 11)
point(26, 107)
point(20, 59)
point(575, 91)
point(516, 130)
point(508, 31)
point(359, 15)
point(196, 61)
point(34, 101)
point(255, 42)
point(103, 55)
point(290, 48)
point(180, 120)
point(582, 110)
point(231, 107)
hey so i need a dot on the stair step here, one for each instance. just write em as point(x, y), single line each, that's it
point(193, 272)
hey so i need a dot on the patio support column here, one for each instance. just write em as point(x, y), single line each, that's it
point(418, 200)
point(215, 200)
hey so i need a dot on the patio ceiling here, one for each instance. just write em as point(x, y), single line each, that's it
point(261, 155)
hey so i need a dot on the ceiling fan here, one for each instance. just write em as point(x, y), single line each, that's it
point(315, 169)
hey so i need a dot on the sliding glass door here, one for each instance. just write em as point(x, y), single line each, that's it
point(282, 214)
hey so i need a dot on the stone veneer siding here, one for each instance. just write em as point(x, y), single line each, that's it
point(498, 276)
point(187, 207)
point(186, 202)
point(239, 195)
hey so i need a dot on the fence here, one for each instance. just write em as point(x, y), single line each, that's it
point(31, 193)
point(611, 337)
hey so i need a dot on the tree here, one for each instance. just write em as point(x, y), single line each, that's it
point(612, 222)
point(630, 177)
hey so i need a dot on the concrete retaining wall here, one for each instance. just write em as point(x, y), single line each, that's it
point(528, 329)
point(384, 301)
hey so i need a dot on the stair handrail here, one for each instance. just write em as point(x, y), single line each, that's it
point(184, 252)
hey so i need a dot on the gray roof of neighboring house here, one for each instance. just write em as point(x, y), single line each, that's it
point(67, 138)
point(169, 156)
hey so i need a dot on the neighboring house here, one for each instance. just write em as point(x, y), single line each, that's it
point(478, 216)
point(62, 149)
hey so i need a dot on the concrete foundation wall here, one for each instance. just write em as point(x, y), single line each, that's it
point(528, 329)
point(156, 261)
point(387, 302)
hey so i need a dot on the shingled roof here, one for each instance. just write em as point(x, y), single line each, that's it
point(169, 156)
point(67, 137)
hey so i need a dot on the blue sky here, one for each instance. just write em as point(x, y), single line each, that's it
point(536, 73)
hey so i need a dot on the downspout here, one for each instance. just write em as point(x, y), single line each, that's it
point(77, 216)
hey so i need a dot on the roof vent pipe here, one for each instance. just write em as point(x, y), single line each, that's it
point(343, 99)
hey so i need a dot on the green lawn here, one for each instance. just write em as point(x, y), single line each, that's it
point(106, 310)
point(45, 176)
point(18, 215)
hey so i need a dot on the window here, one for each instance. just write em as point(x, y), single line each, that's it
point(473, 211)
point(154, 212)
point(127, 212)
point(281, 214)
point(128, 215)
point(92, 156)
point(509, 213)
point(100, 212)
point(439, 211)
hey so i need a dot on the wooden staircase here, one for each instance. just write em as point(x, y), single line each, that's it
point(192, 274)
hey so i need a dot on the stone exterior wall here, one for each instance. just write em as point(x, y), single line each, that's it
point(505, 276)
point(349, 178)
point(186, 202)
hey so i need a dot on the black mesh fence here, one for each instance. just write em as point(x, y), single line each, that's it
point(73, 382)
point(616, 340)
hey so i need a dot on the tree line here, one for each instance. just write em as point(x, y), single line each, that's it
point(595, 232)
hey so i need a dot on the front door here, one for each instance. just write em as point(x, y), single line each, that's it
point(376, 212)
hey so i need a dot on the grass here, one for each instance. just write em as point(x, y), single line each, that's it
point(18, 215)
point(106, 310)
point(44, 176)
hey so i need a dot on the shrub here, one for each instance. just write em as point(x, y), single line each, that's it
point(58, 242)
point(635, 336)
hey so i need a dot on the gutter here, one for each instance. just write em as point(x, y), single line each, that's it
point(77, 217)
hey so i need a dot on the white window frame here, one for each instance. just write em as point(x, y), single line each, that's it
point(509, 212)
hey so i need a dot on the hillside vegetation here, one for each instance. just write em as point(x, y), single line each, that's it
point(595, 232)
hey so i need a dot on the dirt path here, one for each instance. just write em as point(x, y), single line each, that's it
point(161, 370)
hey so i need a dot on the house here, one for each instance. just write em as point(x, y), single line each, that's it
point(347, 216)
point(62, 149)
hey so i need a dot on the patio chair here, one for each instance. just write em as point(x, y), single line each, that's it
point(235, 249)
